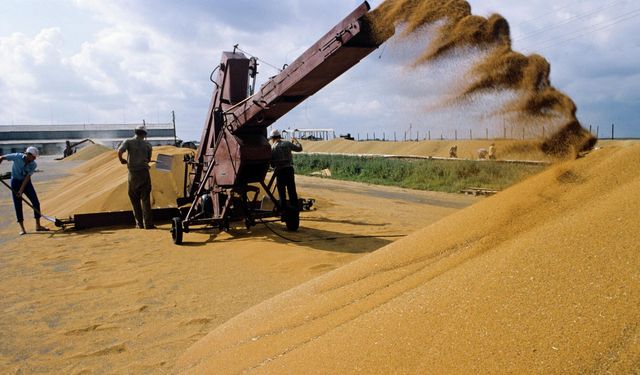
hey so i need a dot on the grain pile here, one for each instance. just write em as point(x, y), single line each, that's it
point(506, 149)
point(128, 301)
point(540, 278)
point(537, 104)
point(88, 152)
point(100, 184)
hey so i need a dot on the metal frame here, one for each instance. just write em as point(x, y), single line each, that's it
point(234, 151)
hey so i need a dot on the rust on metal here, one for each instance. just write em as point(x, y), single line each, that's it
point(234, 151)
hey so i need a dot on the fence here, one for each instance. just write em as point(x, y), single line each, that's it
point(520, 133)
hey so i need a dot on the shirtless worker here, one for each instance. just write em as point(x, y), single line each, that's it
point(23, 167)
point(453, 151)
point(492, 151)
point(138, 157)
point(282, 162)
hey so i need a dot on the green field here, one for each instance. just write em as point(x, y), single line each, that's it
point(435, 175)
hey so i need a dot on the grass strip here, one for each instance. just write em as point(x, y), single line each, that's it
point(434, 175)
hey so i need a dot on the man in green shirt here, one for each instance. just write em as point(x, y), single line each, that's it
point(138, 157)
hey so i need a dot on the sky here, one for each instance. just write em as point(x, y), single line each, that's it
point(122, 61)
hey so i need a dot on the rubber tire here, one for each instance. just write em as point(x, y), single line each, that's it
point(176, 230)
point(292, 220)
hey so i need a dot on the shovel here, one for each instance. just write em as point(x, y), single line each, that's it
point(55, 221)
point(164, 162)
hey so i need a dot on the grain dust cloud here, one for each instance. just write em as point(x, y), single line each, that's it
point(536, 103)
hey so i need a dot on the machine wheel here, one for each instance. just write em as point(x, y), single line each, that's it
point(292, 219)
point(249, 222)
point(224, 225)
point(176, 230)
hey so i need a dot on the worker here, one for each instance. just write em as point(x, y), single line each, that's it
point(282, 162)
point(492, 151)
point(138, 157)
point(24, 165)
point(68, 150)
point(453, 151)
point(482, 153)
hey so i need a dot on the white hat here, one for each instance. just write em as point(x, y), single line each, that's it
point(141, 128)
point(33, 151)
point(275, 133)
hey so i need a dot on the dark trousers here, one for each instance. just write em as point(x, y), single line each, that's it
point(285, 181)
point(140, 196)
point(30, 193)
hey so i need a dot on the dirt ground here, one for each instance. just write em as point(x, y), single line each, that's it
point(123, 300)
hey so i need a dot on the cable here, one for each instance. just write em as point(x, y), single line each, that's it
point(384, 48)
point(211, 75)
point(559, 41)
point(550, 12)
point(570, 20)
point(276, 233)
point(615, 20)
point(259, 59)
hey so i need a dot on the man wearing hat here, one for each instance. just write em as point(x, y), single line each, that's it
point(23, 167)
point(138, 157)
point(282, 162)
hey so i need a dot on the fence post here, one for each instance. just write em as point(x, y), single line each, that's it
point(173, 120)
point(613, 128)
point(405, 136)
point(456, 134)
point(429, 134)
point(470, 134)
point(598, 131)
point(394, 137)
point(505, 133)
point(486, 131)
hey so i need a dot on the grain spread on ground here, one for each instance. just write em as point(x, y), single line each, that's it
point(125, 300)
point(542, 277)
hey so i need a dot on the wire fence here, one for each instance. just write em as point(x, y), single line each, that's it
point(510, 133)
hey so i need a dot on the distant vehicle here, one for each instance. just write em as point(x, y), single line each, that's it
point(347, 137)
point(190, 144)
point(311, 138)
point(70, 148)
